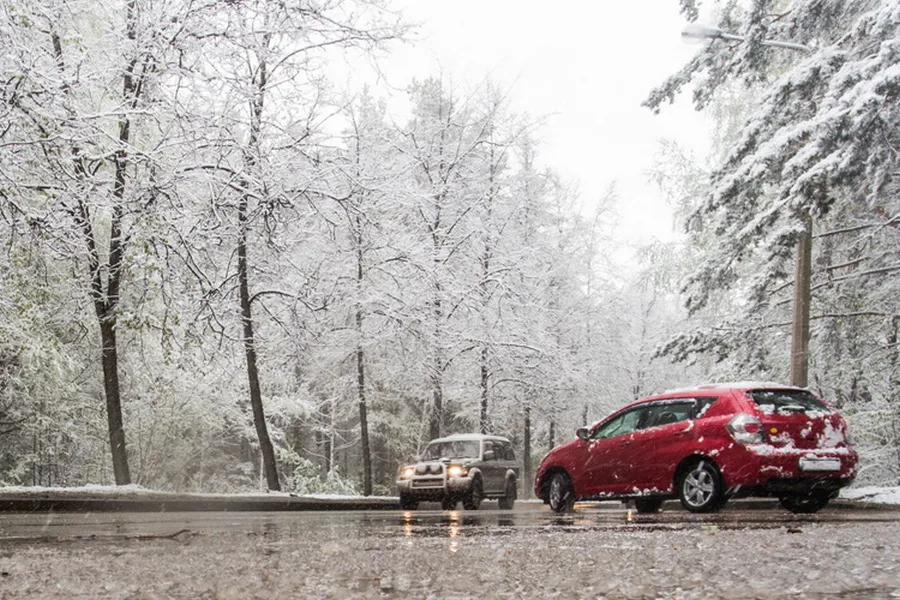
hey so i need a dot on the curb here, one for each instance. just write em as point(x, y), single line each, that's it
point(45, 502)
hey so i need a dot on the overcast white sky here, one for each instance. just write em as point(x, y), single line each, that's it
point(584, 64)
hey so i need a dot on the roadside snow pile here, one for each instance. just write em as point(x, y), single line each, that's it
point(880, 495)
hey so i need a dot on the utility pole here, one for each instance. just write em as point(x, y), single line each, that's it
point(803, 266)
point(800, 318)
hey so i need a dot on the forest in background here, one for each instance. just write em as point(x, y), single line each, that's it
point(219, 274)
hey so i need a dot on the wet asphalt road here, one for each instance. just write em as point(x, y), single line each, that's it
point(428, 522)
point(599, 551)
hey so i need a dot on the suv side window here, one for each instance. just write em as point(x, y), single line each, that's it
point(489, 447)
point(502, 450)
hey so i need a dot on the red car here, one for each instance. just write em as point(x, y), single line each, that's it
point(704, 446)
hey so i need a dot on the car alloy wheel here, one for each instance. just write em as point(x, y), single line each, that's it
point(700, 488)
point(562, 497)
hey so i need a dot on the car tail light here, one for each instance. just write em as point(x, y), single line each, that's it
point(746, 429)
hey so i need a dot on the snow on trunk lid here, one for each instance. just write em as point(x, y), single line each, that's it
point(795, 418)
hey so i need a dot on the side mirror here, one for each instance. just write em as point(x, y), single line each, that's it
point(583, 432)
point(488, 455)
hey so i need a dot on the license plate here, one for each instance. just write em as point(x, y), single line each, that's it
point(820, 464)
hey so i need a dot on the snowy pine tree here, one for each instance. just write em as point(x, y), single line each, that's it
point(818, 153)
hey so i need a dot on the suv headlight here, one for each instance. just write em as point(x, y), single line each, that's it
point(457, 471)
point(407, 472)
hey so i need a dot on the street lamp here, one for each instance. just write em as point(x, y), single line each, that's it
point(696, 32)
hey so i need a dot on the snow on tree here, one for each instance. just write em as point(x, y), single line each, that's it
point(816, 156)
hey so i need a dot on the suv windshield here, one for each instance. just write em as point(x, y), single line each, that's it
point(454, 449)
point(775, 401)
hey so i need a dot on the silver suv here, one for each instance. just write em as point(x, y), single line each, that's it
point(468, 467)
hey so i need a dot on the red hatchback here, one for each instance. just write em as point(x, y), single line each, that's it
point(704, 446)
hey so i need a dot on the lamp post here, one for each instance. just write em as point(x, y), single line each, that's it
point(696, 33)
point(803, 266)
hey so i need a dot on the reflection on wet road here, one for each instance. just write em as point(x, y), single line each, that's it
point(530, 517)
point(586, 518)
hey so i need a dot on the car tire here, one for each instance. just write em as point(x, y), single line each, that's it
point(472, 500)
point(449, 503)
point(700, 487)
point(408, 502)
point(507, 501)
point(804, 505)
point(560, 494)
point(648, 505)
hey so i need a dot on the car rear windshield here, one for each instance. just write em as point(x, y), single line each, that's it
point(786, 401)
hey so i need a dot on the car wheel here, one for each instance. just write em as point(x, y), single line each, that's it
point(561, 494)
point(448, 503)
point(507, 501)
point(648, 505)
point(408, 502)
point(700, 487)
point(472, 500)
point(804, 504)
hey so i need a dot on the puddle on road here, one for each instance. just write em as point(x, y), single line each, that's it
point(450, 524)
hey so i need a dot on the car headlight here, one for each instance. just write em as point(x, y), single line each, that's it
point(407, 472)
point(457, 471)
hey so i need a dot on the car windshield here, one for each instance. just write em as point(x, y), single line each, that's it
point(774, 401)
point(452, 449)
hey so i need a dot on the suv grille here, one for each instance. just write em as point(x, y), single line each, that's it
point(428, 482)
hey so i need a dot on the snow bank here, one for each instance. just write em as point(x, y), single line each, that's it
point(880, 495)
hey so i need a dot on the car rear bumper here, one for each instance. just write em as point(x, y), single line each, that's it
point(769, 471)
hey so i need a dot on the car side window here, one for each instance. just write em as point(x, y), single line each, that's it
point(624, 423)
point(702, 405)
point(666, 413)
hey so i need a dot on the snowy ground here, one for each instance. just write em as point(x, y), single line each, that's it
point(877, 495)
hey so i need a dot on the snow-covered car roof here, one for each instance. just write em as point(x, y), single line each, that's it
point(476, 437)
point(731, 385)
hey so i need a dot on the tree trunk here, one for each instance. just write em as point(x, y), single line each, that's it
point(526, 459)
point(800, 320)
point(894, 384)
point(250, 161)
point(259, 417)
point(110, 360)
point(360, 359)
point(363, 419)
point(437, 390)
point(437, 398)
point(485, 381)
